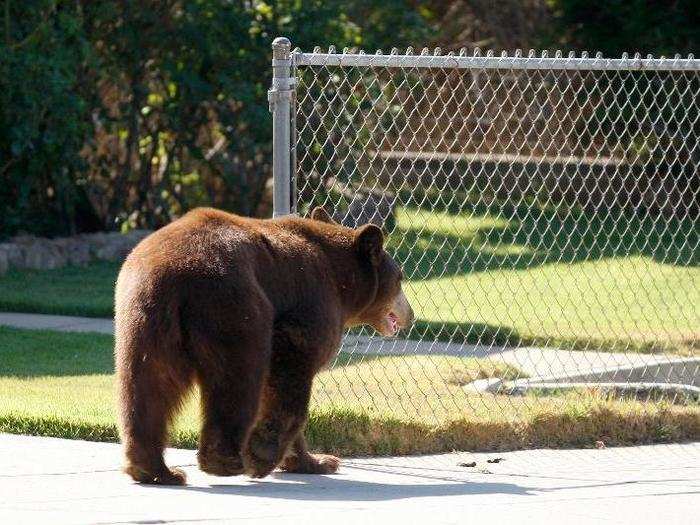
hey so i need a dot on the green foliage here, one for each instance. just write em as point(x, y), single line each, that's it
point(613, 27)
point(124, 114)
point(42, 118)
point(631, 105)
point(117, 114)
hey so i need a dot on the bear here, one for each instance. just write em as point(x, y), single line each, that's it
point(249, 310)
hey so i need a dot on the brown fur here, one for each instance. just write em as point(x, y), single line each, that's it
point(250, 310)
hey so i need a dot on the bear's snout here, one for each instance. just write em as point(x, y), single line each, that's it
point(403, 311)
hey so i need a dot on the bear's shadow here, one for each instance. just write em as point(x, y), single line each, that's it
point(335, 488)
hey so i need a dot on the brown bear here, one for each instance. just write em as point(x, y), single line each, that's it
point(250, 310)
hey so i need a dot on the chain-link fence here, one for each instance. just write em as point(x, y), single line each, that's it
point(546, 213)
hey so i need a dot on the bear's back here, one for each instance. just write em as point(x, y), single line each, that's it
point(209, 244)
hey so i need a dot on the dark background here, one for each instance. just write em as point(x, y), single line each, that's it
point(124, 114)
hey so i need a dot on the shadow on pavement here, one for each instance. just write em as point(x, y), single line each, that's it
point(327, 488)
point(337, 488)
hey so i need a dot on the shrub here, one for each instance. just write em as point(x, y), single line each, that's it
point(131, 112)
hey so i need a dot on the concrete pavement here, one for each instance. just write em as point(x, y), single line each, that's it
point(60, 323)
point(46, 480)
point(541, 365)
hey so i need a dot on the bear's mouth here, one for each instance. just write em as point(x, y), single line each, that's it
point(392, 321)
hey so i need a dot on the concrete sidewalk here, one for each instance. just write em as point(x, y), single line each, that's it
point(46, 480)
point(548, 365)
point(60, 323)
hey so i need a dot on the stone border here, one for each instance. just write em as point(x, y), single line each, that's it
point(38, 253)
point(675, 392)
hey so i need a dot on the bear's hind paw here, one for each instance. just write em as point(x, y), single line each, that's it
point(174, 476)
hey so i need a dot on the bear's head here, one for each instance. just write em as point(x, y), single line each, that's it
point(389, 310)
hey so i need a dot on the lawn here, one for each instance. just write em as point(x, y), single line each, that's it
point(537, 276)
point(61, 384)
point(72, 290)
point(505, 275)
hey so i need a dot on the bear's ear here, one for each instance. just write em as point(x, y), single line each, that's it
point(370, 242)
point(319, 214)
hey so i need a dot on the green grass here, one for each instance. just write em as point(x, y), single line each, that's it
point(604, 305)
point(61, 384)
point(531, 275)
point(72, 290)
point(499, 274)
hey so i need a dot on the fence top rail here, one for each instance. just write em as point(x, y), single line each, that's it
point(490, 61)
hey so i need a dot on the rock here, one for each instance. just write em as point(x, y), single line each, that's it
point(111, 246)
point(4, 262)
point(27, 251)
point(95, 241)
point(12, 254)
point(136, 236)
point(24, 240)
point(42, 255)
point(367, 207)
point(33, 257)
point(75, 250)
point(115, 248)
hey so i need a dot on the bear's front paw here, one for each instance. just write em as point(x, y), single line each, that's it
point(217, 464)
point(312, 464)
point(326, 464)
point(262, 454)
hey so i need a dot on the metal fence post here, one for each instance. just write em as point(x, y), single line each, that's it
point(280, 96)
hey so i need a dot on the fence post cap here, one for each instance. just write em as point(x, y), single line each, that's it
point(281, 47)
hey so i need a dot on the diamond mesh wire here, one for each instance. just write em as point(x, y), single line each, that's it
point(546, 218)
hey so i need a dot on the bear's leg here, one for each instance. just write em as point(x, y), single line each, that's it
point(230, 400)
point(283, 413)
point(149, 393)
point(229, 412)
point(301, 461)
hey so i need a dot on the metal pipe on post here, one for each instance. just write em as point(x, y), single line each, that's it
point(280, 97)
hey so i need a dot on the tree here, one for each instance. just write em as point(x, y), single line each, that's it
point(132, 112)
